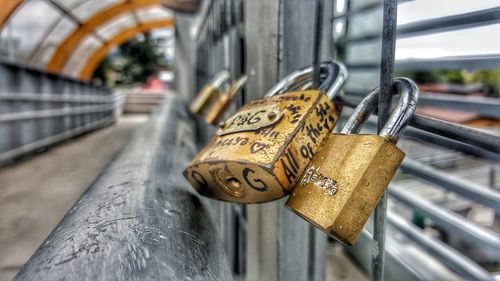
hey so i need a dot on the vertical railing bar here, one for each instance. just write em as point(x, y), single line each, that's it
point(318, 30)
point(386, 77)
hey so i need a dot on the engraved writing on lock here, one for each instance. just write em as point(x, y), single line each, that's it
point(313, 176)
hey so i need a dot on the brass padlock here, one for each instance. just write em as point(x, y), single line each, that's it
point(209, 93)
point(343, 183)
point(221, 105)
point(259, 153)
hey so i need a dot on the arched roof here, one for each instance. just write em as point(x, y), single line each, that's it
point(72, 36)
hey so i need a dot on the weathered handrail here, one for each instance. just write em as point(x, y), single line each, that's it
point(139, 220)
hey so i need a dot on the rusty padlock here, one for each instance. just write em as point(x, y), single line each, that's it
point(260, 152)
point(209, 93)
point(221, 105)
point(343, 183)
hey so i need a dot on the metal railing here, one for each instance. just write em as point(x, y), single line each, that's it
point(139, 220)
point(433, 132)
point(39, 109)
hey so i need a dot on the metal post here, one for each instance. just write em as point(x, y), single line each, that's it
point(318, 22)
point(386, 76)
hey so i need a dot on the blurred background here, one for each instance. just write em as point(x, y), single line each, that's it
point(78, 78)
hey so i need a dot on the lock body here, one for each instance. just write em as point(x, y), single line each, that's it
point(221, 105)
point(218, 108)
point(343, 183)
point(205, 98)
point(260, 153)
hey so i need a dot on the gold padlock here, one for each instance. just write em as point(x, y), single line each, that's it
point(343, 183)
point(209, 93)
point(259, 153)
point(221, 105)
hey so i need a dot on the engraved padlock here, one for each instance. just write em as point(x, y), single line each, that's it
point(209, 93)
point(221, 105)
point(260, 152)
point(343, 183)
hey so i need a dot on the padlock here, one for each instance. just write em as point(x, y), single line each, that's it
point(221, 105)
point(343, 183)
point(209, 93)
point(259, 153)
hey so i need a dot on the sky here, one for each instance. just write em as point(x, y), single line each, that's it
point(473, 41)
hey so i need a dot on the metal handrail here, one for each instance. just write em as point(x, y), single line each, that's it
point(139, 220)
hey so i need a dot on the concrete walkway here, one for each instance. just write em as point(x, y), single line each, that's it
point(36, 192)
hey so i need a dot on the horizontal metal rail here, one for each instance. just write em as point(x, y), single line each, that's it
point(447, 129)
point(453, 259)
point(465, 188)
point(55, 98)
point(430, 138)
point(470, 62)
point(488, 107)
point(442, 24)
point(38, 144)
point(37, 114)
point(458, 132)
point(481, 236)
point(139, 220)
point(450, 23)
point(484, 106)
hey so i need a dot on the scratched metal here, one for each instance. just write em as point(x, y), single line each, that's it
point(139, 220)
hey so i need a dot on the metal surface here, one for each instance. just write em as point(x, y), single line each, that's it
point(386, 79)
point(450, 23)
point(486, 240)
point(139, 218)
point(334, 76)
point(436, 25)
point(208, 94)
point(400, 117)
point(38, 110)
point(467, 189)
point(263, 164)
point(458, 262)
point(76, 110)
point(332, 194)
point(484, 106)
point(45, 97)
point(221, 106)
point(251, 120)
point(349, 175)
point(457, 132)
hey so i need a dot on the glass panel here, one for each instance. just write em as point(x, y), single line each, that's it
point(153, 13)
point(81, 55)
point(115, 25)
point(89, 8)
point(50, 44)
point(25, 30)
point(426, 9)
point(472, 41)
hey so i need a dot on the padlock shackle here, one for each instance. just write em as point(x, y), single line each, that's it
point(220, 78)
point(335, 74)
point(237, 85)
point(400, 116)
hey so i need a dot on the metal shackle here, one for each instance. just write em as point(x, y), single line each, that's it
point(399, 118)
point(220, 78)
point(334, 75)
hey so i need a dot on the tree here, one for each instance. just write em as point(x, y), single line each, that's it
point(135, 61)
